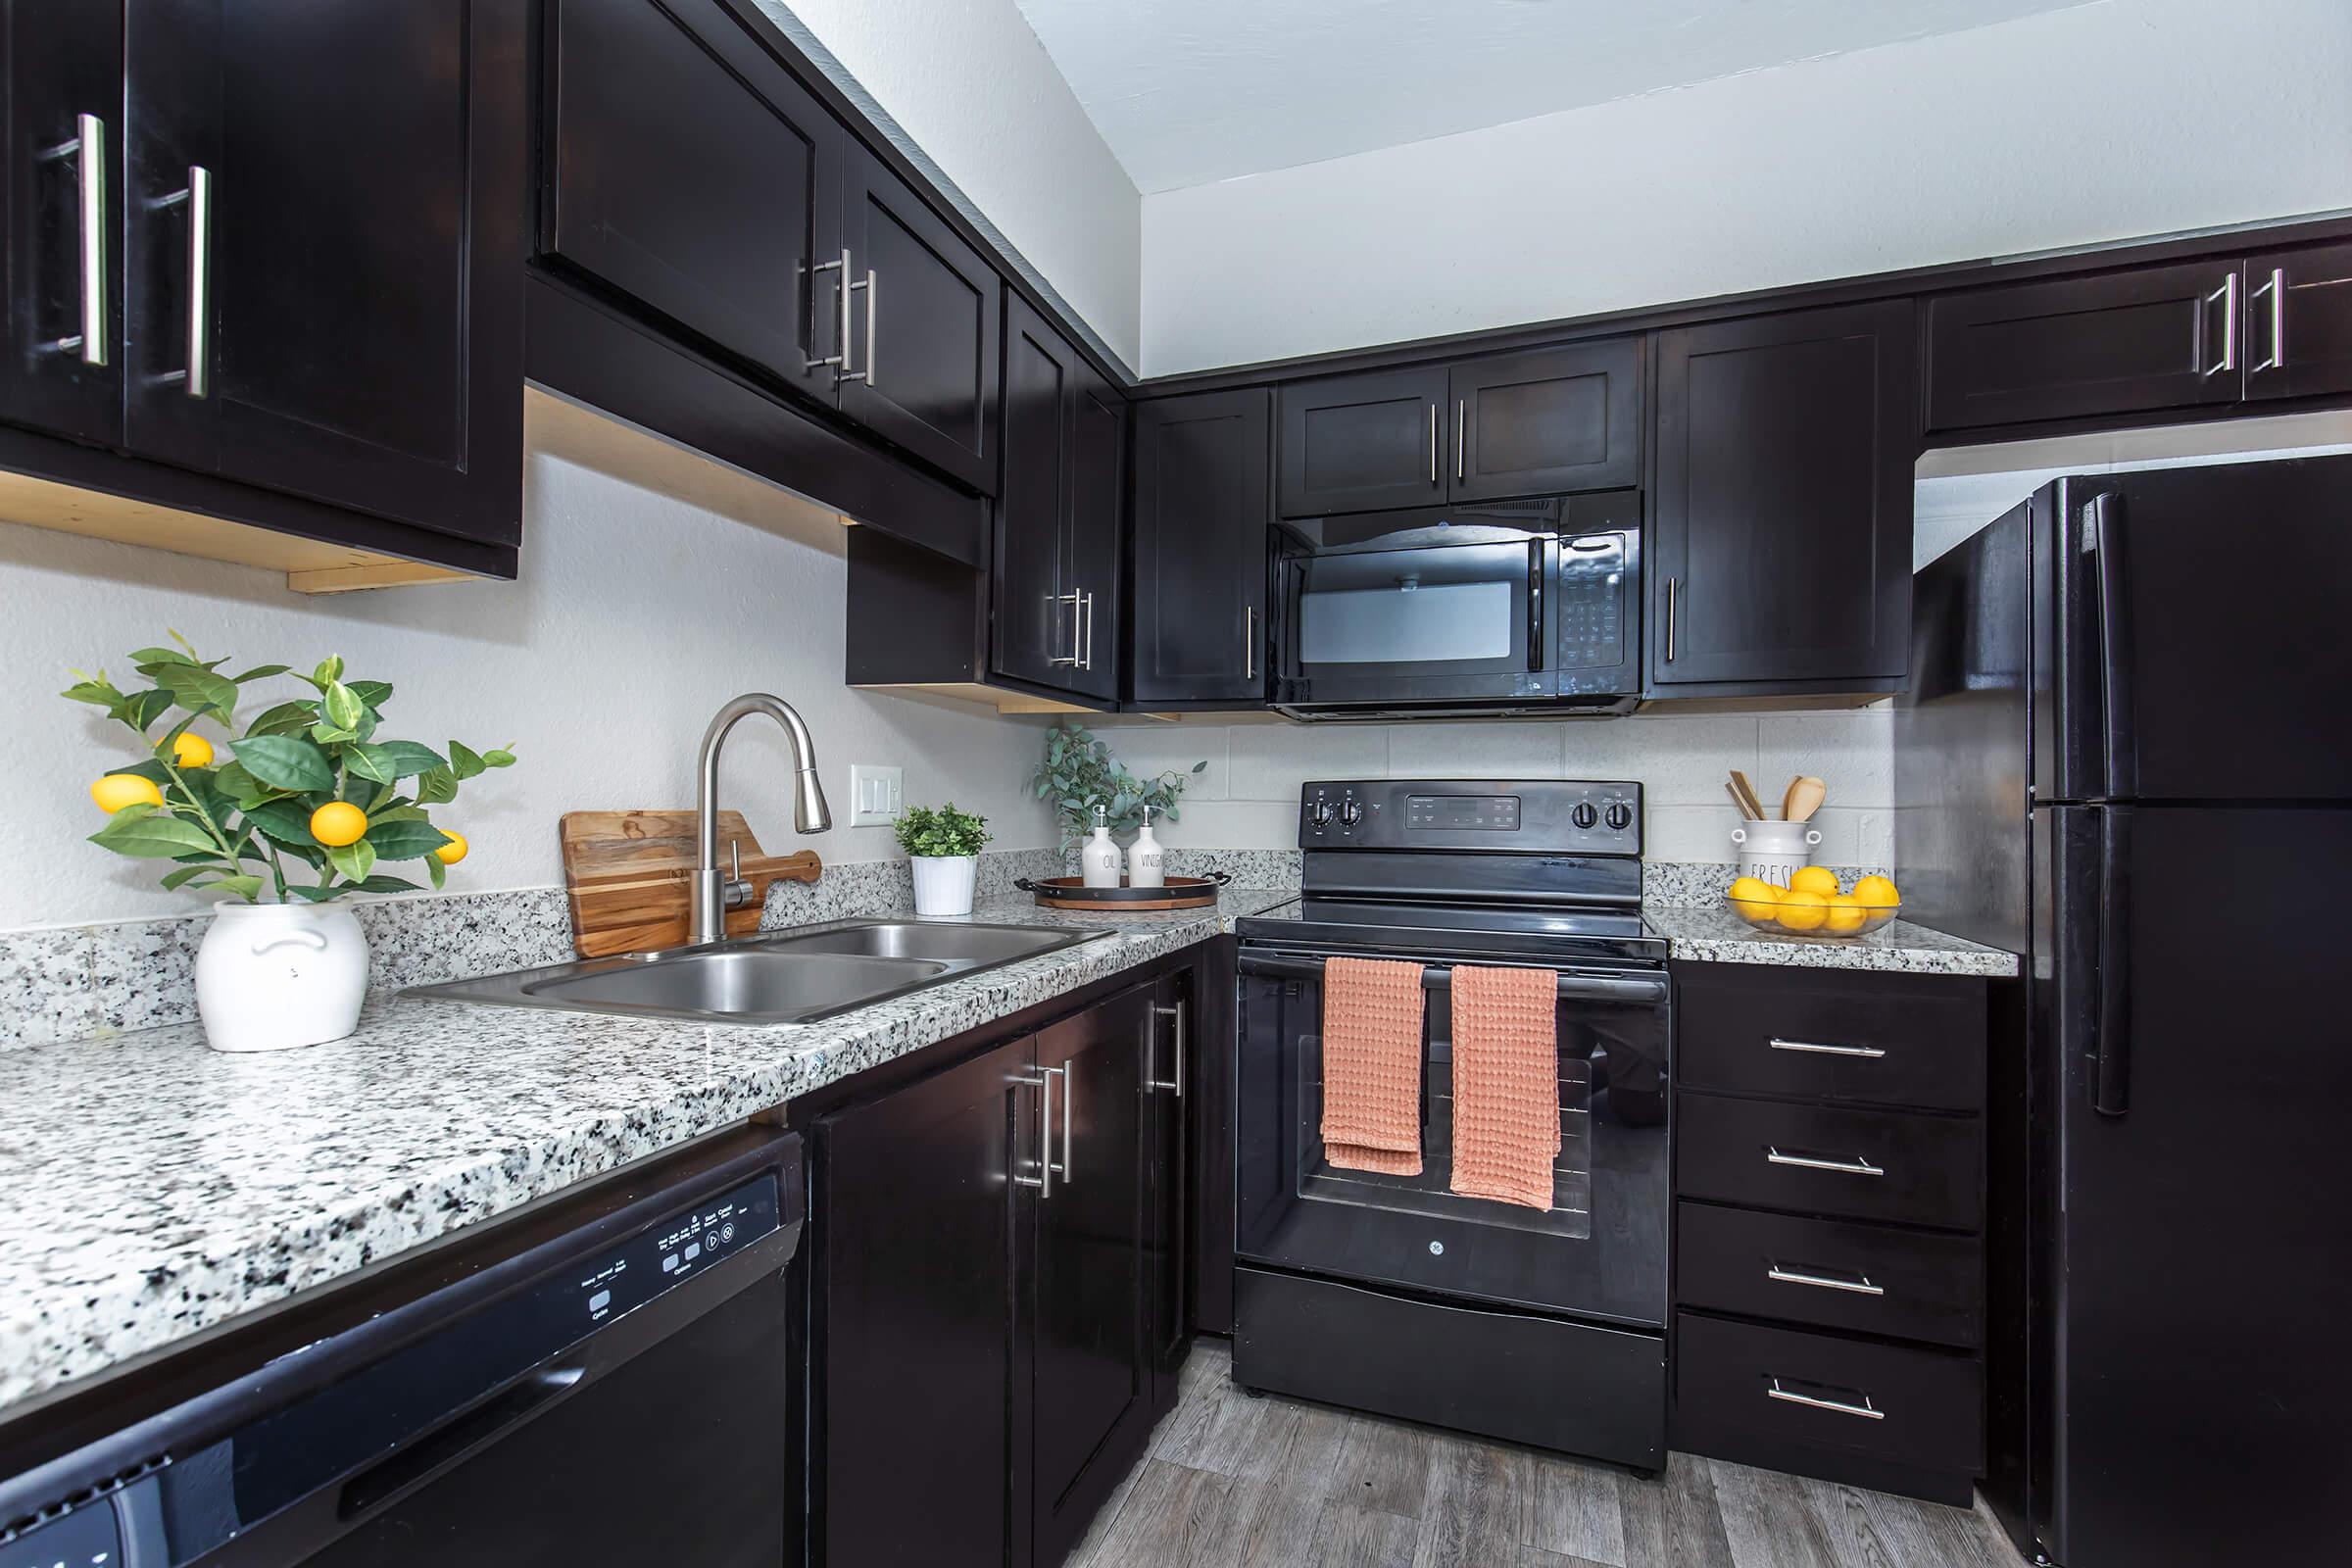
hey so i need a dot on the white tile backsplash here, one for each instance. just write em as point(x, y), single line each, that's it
point(1269, 761)
point(1436, 749)
point(1852, 752)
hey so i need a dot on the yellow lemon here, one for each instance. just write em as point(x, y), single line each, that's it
point(1753, 897)
point(1845, 915)
point(191, 750)
point(118, 790)
point(1814, 879)
point(1803, 909)
point(1877, 892)
point(337, 823)
point(454, 850)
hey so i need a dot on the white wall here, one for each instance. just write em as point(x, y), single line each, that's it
point(639, 613)
point(970, 85)
point(2107, 121)
point(1248, 797)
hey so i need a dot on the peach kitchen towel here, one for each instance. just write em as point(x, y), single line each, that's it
point(1372, 1065)
point(1506, 1084)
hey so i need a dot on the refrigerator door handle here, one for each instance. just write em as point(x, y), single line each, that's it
point(2111, 1028)
point(2103, 522)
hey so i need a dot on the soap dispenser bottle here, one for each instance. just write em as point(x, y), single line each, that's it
point(1098, 856)
point(1146, 861)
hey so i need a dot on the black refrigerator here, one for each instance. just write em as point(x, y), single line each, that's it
point(2126, 756)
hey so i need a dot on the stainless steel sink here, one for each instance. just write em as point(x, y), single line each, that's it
point(774, 977)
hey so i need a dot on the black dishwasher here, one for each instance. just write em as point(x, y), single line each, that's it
point(603, 1378)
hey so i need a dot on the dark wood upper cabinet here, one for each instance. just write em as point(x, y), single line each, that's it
point(1091, 554)
point(61, 200)
point(1203, 505)
point(1363, 443)
point(2124, 342)
point(2298, 329)
point(322, 232)
point(687, 169)
point(1544, 423)
point(1781, 543)
point(924, 325)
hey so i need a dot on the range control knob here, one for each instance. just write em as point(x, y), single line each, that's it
point(1350, 813)
point(1621, 816)
point(1583, 817)
point(1319, 813)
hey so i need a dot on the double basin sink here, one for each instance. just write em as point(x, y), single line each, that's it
point(774, 977)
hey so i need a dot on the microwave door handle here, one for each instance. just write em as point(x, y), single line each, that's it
point(1542, 558)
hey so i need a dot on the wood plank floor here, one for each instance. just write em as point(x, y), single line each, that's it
point(1234, 1482)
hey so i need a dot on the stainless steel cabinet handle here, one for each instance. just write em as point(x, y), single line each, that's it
point(873, 313)
point(2228, 295)
point(1845, 1167)
point(1672, 583)
point(87, 149)
point(1175, 1085)
point(1062, 1167)
point(1461, 433)
point(1054, 613)
point(2275, 288)
point(1248, 642)
point(1860, 1285)
point(197, 379)
point(1043, 1181)
point(839, 358)
point(1433, 443)
point(1866, 1410)
point(1871, 1051)
point(1086, 626)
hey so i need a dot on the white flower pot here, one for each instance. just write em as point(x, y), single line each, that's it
point(273, 976)
point(942, 883)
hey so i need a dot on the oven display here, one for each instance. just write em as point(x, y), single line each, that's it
point(1495, 813)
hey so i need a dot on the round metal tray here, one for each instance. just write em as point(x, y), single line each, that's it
point(1073, 893)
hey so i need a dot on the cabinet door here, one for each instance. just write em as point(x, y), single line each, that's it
point(685, 168)
point(1558, 419)
point(1089, 1370)
point(1202, 504)
point(1362, 443)
point(923, 331)
point(61, 204)
point(918, 1229)
point(1036, 632)
point(2153, 337)
point(1782, 523)
point(2298, 329)
point(323, 250)
point(1098, 498)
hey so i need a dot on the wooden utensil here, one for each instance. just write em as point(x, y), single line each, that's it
point(1739, 800)
point(626, 873)
point(1747, 795)
point(1804, 798)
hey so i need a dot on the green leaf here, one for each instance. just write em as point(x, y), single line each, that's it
point(436, 786)
point(404, 840)
point(286, 823)
point(315, 894)
point(463, 761)
point(151, 770)
point(499, 757)
point(143, 709)
point(330, 671)
point(353, 859)
point(341, 706)
point(369, 763)
point(402, 813)
point(284, 719)
point(261, 672)
point(437, 872)
point(232, 781)
point(374, 692)
point(244, 886)
point(284, 762)
point(100, 691)
point(198, 688)
point(159, 656)
point(392, 760)
point(1202, 766)
point(145, 833)
point(388, 884)
point(189, 874)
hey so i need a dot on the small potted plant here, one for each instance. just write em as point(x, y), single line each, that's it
point(310, 800)
point(943, 846)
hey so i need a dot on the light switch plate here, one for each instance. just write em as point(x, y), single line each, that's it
point(876, 795)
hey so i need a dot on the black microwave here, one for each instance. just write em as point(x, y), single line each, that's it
point(1496, 607)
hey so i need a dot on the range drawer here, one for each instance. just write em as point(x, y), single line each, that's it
point(1870, 1039)
point(1787, 1388)
point(1906, 1284)
point(1820, 1159)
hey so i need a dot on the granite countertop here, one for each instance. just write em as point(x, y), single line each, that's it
point(156, 1188)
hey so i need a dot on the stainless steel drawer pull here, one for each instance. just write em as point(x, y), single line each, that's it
point(1054, 601)
point(1175, 1083)
point(1086, 620)
point(1433, 443)
point(1671, 585)
point(1812, 1049)
point(873, 313)
point(197, 379)
point(2227, 294)
point(1043, 1181)
point(1845, 1167)
point(1248, 642)
point(1061, 1168)
point(1461, 433)
point(1859, 1285)
point(2275, 288)
point(87, 149)
point(1866, 1410)
point(838, 359)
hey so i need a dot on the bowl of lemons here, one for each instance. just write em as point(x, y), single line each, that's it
point(1814, 905)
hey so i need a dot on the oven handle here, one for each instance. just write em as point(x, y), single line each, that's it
point(1440, 977)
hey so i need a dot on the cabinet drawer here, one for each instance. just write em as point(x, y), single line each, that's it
point(1779, 1386)
point(1816, 1160)
point(1907, 1285)
point(1886, 1040)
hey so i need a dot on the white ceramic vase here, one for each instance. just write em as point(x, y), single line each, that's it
point(1773, 850)
point(942, 883)
point(273, 976)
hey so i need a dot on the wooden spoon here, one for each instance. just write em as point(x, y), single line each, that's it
point(1739, 800)
point(1805, 795)
point(1748, 798)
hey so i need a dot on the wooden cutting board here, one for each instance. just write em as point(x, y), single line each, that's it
point(626, 873)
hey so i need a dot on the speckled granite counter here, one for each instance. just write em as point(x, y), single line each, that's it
point(154, 1188)
point(1718, 936)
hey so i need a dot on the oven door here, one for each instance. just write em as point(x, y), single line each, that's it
point(1600, 1252)
point(1430, 624)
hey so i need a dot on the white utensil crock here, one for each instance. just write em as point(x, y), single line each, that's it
point(273, 976)
point(942, 883)
point(1773, 850)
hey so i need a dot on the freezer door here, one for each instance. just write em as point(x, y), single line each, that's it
point(2202, 1372)
point(2206, 657)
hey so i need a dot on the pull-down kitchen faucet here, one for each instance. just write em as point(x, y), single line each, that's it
point(711, 894)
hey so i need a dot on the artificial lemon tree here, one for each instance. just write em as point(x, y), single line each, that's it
point(312, 784)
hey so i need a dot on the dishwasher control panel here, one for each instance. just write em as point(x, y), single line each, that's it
point(681, 1246)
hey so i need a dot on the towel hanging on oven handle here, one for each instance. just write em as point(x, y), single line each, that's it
point(1440, 977)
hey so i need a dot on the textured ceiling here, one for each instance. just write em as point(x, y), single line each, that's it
point(1188, 91)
